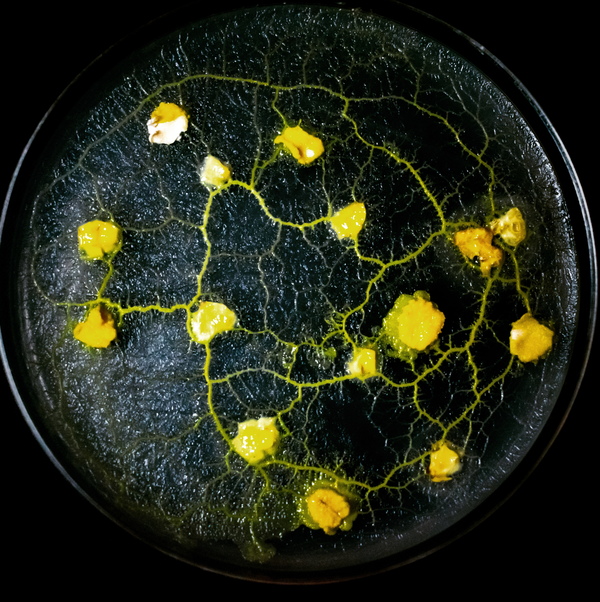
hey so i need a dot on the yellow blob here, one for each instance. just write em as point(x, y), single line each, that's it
point(511, 227)
point(98, 328)
point(98, 238)
point(256, 439)
point(364, 363)
point(443, 462)
point(420, 323)
point(412, 325)
point(304, 147)
point(328, 509)
point(210, 320)
point(348, 222)
point(477, 242)
point(166, 123)
point(530, 340)
point(214, 173)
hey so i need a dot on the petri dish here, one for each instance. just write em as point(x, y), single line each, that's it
point(341, 560)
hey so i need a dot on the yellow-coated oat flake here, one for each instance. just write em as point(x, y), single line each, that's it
point(530, 340)
point(256, 439)
point(214, 173)
point(328, 509)
point(364, 363)
point(420, 323)
point(98, 238)
point(477, 242)
point(443, 462)
point(412, 325)
point(166, 124)
point(348, 222)
point(98, 329)
point(510, 227)
point(210, 320)
point(303, 146)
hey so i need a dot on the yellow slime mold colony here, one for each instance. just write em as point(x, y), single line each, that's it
point(530, 340)
point(97, 330)
point(510, 227)
point(304, 147)
point(443, 462)
point(256, 439)
point(210, 320)
point(167, 123)
point(413, 324)
point(364, 363)
point(98, 238)
point(477, 242)
point(337, 368)
point(420, 323)
point(348, 222)
point(214, 173)
point(329, 510)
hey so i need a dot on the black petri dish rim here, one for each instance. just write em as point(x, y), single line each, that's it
point(13, 216)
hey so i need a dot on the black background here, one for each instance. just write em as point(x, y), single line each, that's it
point(57, 542)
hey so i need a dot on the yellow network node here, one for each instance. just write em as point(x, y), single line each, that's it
point(256, 439)
point(98, 238)
point(530, 340)
point(477, 242)
point(214, 173)
point(443, 462)
point(348, 222)
point(364, 363)
point(510, 227)
point(98, 329)
point(166, 124)
point(303, 146)
point(211, 319)
point(329, 507)
point(412, 325)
